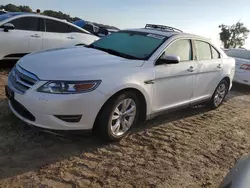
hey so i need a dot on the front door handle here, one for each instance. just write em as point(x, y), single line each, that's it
point(35, 36)
point(70, 37)
point(191, 69)
point(219, 66)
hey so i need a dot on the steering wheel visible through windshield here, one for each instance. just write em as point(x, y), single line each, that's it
point(130, 44)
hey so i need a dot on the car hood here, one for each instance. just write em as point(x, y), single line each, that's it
point(75, 63)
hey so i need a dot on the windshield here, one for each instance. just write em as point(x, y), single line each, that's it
point(5, 16)
point(134, 44)
point(243, 54)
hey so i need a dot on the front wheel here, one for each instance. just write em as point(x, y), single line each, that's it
point(219, 94)
point(118, 116)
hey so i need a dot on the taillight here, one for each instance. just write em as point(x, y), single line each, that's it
point(245, 66)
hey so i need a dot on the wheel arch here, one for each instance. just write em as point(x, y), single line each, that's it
point(142, 98)
point(227, 78)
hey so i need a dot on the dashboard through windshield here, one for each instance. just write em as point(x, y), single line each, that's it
point(137, 45)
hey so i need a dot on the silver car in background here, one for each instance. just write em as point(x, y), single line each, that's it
point(242, 67)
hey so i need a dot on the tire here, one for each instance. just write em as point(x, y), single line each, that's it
point(112, 113)
point(219, 94)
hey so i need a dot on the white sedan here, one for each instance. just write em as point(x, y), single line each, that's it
point(123, 78)
point(23, 33)
point(242, 69)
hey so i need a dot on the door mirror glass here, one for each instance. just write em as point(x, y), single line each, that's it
point(168, 59)
point(8, 26)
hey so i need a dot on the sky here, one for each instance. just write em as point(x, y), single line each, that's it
point(201, 17)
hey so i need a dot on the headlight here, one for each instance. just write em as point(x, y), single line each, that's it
point(69, 87)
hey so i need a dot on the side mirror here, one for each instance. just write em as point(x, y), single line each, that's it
point(8, 26)
point(168, 59)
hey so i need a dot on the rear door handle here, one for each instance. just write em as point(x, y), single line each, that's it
point(191, 69)
point(70, 37)
point(35, 36)
point(219, 66)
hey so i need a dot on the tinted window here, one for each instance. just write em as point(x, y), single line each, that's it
point(26, 23)
point(2, 12)
point(72, 29)
point(103, 31)
point(135, 44)
point(181, 48)
point(89, 28)
point(215, 53)
point(55, 26)
point(203, 50)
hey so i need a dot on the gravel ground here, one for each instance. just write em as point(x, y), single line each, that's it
point(194, 147)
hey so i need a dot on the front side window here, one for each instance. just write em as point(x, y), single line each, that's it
point(203, 50)
point(181, 48)
point(130, 44)
point(26, 23)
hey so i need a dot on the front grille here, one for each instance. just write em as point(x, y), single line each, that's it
point(21, 110)
point(21, 79)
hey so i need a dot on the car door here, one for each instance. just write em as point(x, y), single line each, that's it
point(209, 70)
point(52, 37)
point(174, 83)
point(31, 26)
point(25, 38)
point(75, 36)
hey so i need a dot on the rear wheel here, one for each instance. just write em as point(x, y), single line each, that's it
point(118, 116)
point(219, 94)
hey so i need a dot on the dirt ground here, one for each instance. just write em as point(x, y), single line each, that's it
point(194, 147)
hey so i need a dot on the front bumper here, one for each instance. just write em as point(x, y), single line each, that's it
point(242, 77)
point(44, 107)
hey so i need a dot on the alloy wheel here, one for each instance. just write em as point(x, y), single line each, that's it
point(122, 117)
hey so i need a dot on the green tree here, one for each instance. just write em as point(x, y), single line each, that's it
point(233, 36)
point(11, 8)
point(25, 9)
point(59, 15)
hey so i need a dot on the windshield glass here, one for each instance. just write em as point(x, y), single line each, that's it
point(135, 44)
point(5, 16)
point(243, 54)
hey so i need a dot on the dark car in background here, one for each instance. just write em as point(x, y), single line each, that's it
point(2, 12)
point(95, 29)
point(87, 26)
point(106, 31)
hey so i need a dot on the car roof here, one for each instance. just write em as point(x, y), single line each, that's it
point(166, 33)
point(13, 14)
point(238, 49)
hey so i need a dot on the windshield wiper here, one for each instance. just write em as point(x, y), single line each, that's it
point(113, 52)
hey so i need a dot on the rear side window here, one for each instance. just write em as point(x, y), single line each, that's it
point(203, 50)
point(26, 23)
point(181, 48)
point(215, 53)
point(72, 29)
point(55, 26)
point(89, 28)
